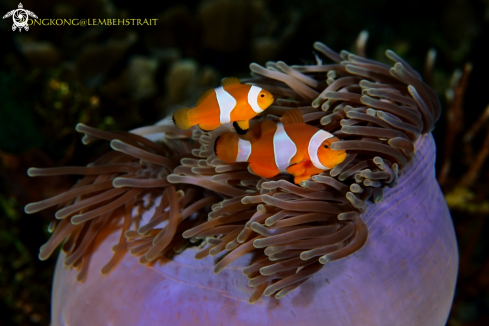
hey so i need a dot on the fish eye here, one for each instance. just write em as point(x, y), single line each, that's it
point(326, 146)
point(262, 95)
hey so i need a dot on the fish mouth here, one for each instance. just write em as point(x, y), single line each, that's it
point(341, 157)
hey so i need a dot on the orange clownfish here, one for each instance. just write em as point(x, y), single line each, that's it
point(290, 146)
point(232, 102)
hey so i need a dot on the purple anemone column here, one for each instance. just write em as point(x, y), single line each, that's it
point(405, 275)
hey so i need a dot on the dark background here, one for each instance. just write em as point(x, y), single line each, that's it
point(122, 77)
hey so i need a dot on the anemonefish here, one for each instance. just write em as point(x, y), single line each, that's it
point(290, 146)
point(232, 102)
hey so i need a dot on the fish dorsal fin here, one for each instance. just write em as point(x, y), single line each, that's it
point(292, 116)
point(268, 126)
point(254, 132)
point(230, 81)
point(226, 82)
point(204, 95)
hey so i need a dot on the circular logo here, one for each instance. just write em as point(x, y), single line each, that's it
point(20, 18)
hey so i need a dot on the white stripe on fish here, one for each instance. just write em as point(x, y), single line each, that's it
point(226, 104)
point(253, 94)
point(283, 147)
point(244, 150)
point(313, 147)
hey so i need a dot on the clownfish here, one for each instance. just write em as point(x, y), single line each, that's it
point(232, 102)
point(290, 146)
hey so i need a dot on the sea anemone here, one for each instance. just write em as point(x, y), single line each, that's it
point(369, 242)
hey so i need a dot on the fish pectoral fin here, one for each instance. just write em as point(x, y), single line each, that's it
point(296, 169)
point(298, 158)
point(241, 126)
point(263, 171)
point(299, 171)
point(300, 178)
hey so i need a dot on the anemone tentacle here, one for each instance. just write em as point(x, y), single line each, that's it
point(174, 193)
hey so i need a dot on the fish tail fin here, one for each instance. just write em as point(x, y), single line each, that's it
point(226, 147)
point(181, 118)
point(206, 127)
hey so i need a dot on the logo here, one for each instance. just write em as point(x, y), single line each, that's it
point(20, 17)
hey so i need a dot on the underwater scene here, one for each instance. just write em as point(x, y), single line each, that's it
point(244, 162)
